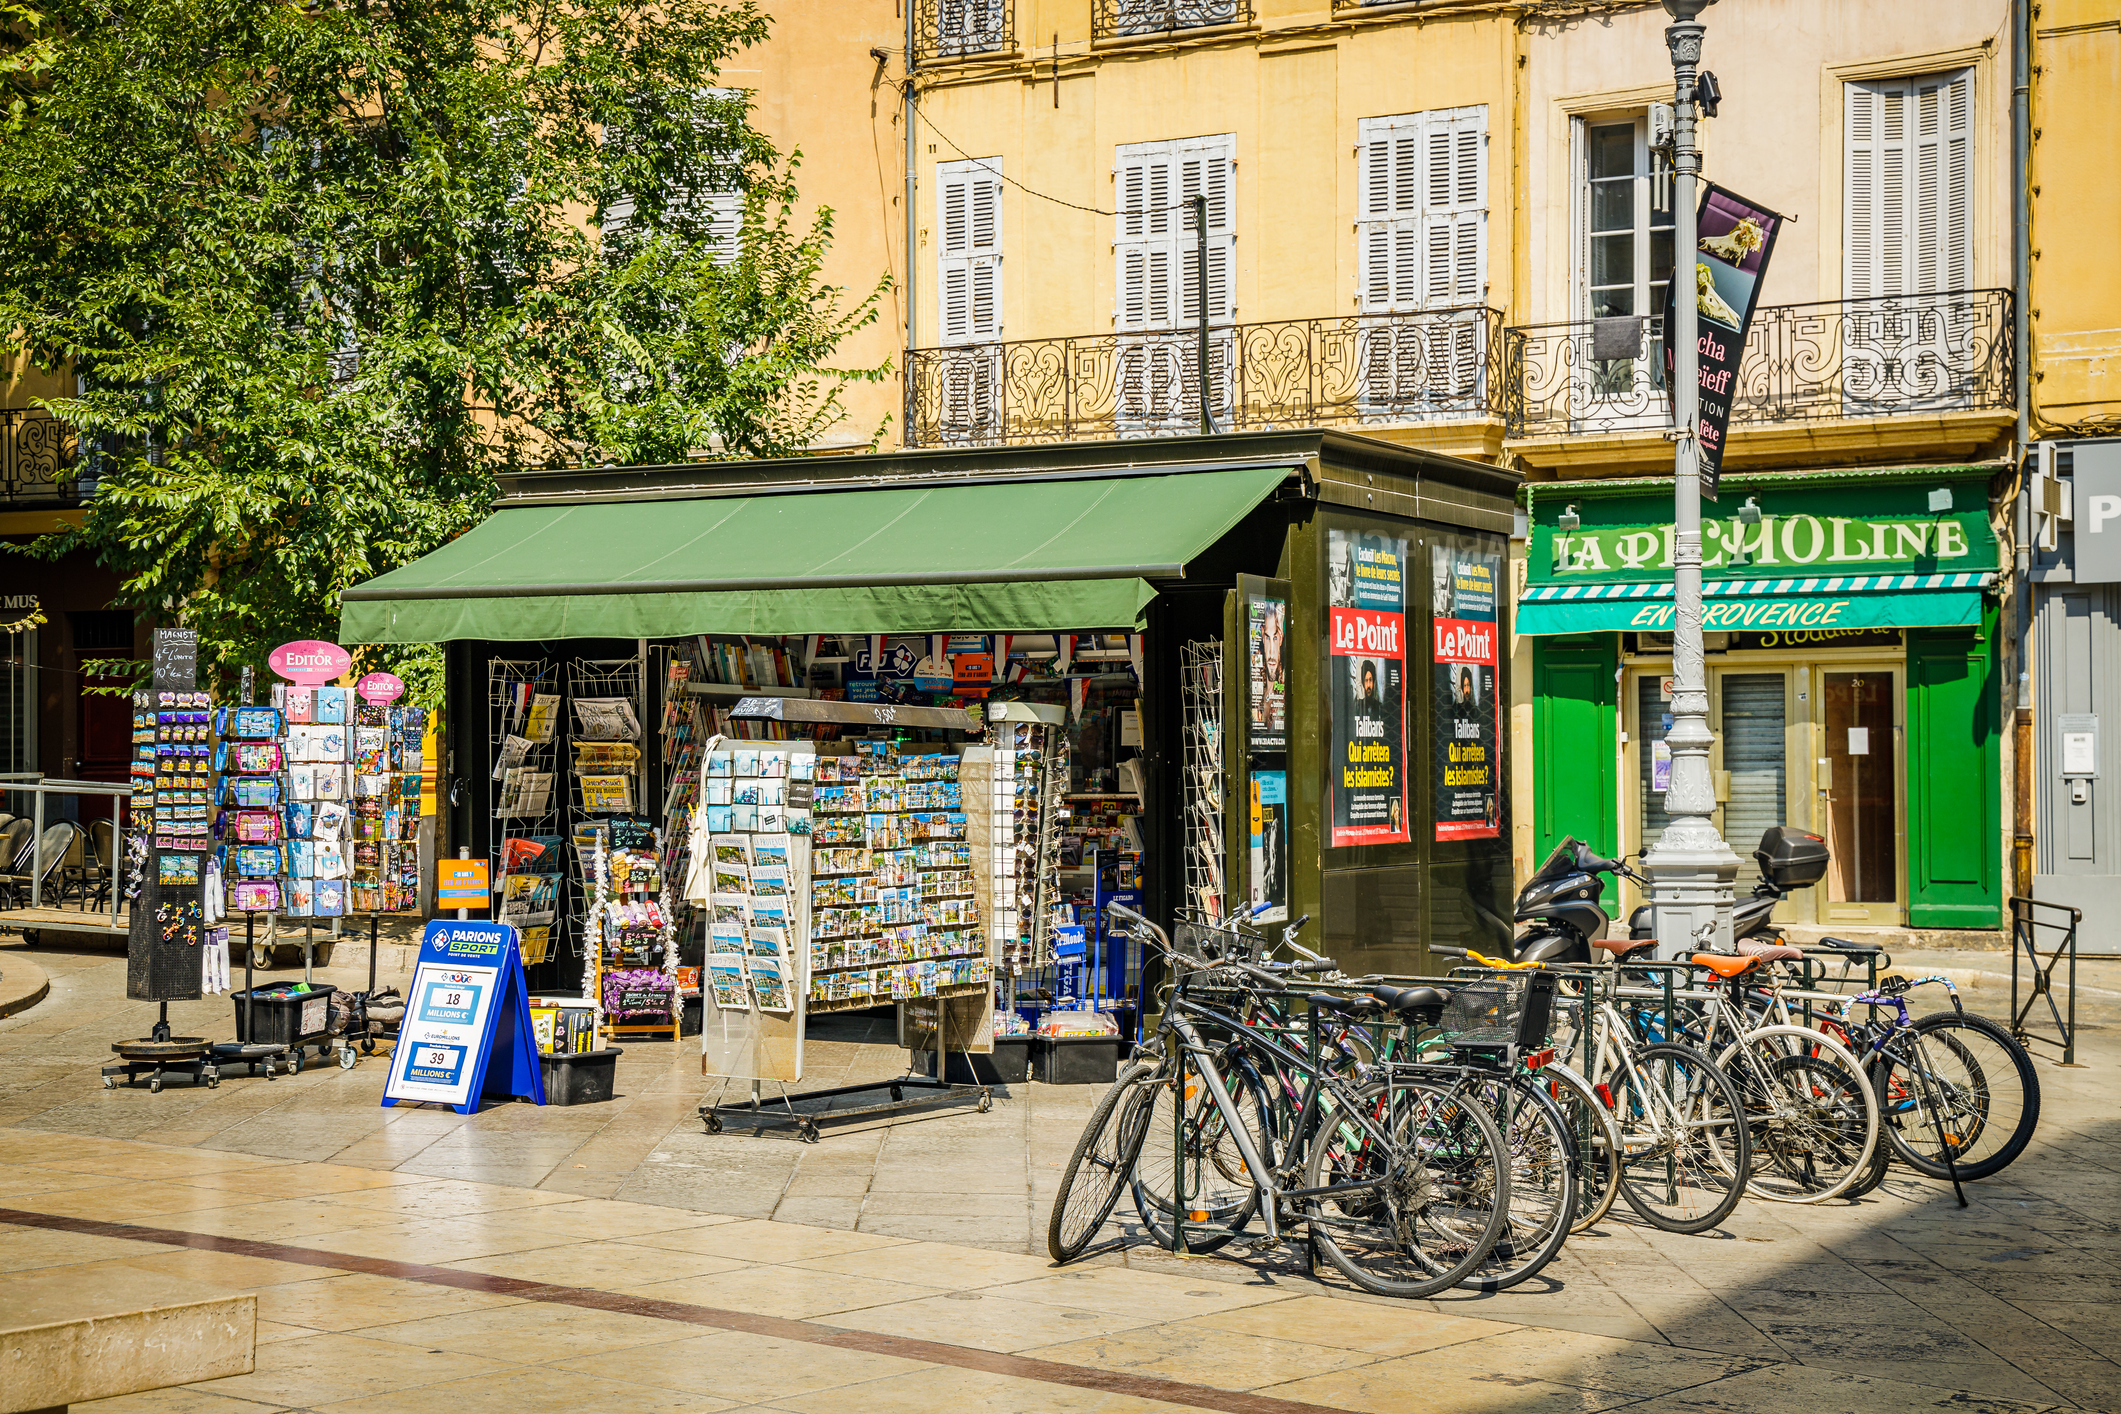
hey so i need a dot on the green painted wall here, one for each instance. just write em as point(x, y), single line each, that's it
point(1954, 779)
point(1573, 742)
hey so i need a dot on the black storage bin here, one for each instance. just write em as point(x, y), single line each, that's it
point(689, 1017)
point(1010, 1063)
point(1791, 858)
point(583, 1078)
point(1078, 1060)
point(283, 1019)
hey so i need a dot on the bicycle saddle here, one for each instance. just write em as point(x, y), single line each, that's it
point(1409, 1000)
point(1769, 952)
point(1624, 947)
point(1346, 1006)
point(1725, 965)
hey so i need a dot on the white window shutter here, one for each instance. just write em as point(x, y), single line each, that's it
point(1156, 251)
point(1423, 217)
point(1391, 197)
point(1908, 188)
point(969, 253)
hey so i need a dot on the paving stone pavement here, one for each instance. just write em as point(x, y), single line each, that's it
point(915, 1228)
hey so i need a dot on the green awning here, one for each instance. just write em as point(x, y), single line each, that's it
point(1001, 557)
point(1762, 605)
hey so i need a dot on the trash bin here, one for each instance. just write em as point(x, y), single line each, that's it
point(1078, 1060)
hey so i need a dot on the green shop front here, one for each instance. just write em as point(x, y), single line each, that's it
point(1849, 621)
point(1277, 654)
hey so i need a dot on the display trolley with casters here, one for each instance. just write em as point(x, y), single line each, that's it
point(763, 1045)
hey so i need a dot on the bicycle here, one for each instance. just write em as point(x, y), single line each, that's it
point(1399, 1184)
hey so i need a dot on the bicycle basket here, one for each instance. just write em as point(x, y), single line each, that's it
point(1485, 1006)
point(1218, 942)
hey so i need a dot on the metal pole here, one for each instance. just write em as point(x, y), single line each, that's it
point(36, 850)
point(1691, 869)
point(1200, 293)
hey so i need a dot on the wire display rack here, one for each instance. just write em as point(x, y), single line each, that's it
point(523, 696)
point(1201, 687)
point(595, 680)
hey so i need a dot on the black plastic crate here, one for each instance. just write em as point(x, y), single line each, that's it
point(1078, 1060)
point(283, 1019)
point(1010, 1063)
point(583, 1078)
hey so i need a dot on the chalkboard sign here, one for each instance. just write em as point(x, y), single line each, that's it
point(635, 999)
point(176, 660)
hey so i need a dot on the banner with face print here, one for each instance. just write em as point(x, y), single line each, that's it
point(1366, 594)
point(1464, 582)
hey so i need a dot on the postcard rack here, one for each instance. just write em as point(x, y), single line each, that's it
point(889, 823)
point(1202, 700)
point(523, 719)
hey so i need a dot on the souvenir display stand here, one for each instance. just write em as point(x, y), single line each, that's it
point(529, 863)
point(845, 877)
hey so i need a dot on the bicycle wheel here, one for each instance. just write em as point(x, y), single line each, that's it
point(1683, 1139)
point(1597, 1143)
point(1434, 1188)
point(1542, 1206)
point(1097, 1171)
point(1207, 1170)
point(1809, 1113)
point(1965, 1075)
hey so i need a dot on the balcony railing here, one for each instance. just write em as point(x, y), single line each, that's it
point(1889, 357)
point(960, 29)
point(37, 459)
point(1428, 366)
point(1116, 19)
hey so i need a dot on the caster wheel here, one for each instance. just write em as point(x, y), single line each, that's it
point(154, 1086)
point(897, 1094)
point(214, 1083)
point(346, 1058)
point(986, 1102)
point(714, 1124)
point(110, 1082)
point(320, 956)
point(271, 1072)
point(807, 1131)
point(294, 1063)
point(260, 958)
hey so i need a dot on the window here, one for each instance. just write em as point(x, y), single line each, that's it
point(1157, 252)
point(1113, 18)
point(719, 208)
point(1422, 245)
point(1908, 196)
point(1626, 220)
point(958, 27)
point(1909, 185)
point(969, 295)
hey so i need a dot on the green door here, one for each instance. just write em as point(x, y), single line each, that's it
point(1573, 746)
point(1954, 786)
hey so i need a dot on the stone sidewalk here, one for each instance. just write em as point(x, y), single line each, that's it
point(1900, 1300)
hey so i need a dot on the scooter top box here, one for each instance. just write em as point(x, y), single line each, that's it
point(1791, 858)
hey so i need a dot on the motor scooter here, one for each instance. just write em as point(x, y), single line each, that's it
point(1562, 905)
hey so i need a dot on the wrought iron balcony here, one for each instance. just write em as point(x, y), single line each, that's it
point(960, 29)
point(1118, 19)
point(1890, 357)
point(1427, 366)
point(37, 460)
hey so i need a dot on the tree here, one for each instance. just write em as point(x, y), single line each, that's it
point(324, 271)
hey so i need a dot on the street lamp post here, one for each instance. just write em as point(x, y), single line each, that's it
point(1691, 870)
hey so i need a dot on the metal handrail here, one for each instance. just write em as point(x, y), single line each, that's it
point(36, 785)
point(2026, 927)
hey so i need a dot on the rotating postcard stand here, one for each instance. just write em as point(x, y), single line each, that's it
point(854, 884)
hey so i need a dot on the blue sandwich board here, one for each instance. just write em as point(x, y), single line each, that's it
point(467, 1033)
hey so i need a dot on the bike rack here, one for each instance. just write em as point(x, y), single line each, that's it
point(2027, 926)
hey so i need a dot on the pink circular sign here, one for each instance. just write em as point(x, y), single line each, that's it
point(309, 662)
point(380, 688)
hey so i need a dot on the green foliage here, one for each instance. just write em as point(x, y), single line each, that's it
point(325, 272)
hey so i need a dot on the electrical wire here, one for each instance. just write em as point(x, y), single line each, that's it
point(1030, 191)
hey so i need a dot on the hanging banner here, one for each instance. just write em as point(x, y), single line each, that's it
point(1266, 628)
point(1366, 594)
point(1736, 238)
point(467, 1032)
point(1463, 586)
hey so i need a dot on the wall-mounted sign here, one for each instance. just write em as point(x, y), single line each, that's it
point(2095, 529)
point(310, 662)
point(461, 883)
point(1366, 594)
point(1464, 585)
point(380, 688)
point(1266, 634)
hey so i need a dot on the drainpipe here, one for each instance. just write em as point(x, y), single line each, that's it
point(2022, 742)
point(912, 185)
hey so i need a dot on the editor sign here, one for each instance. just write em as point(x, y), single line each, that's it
point(308, 662)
